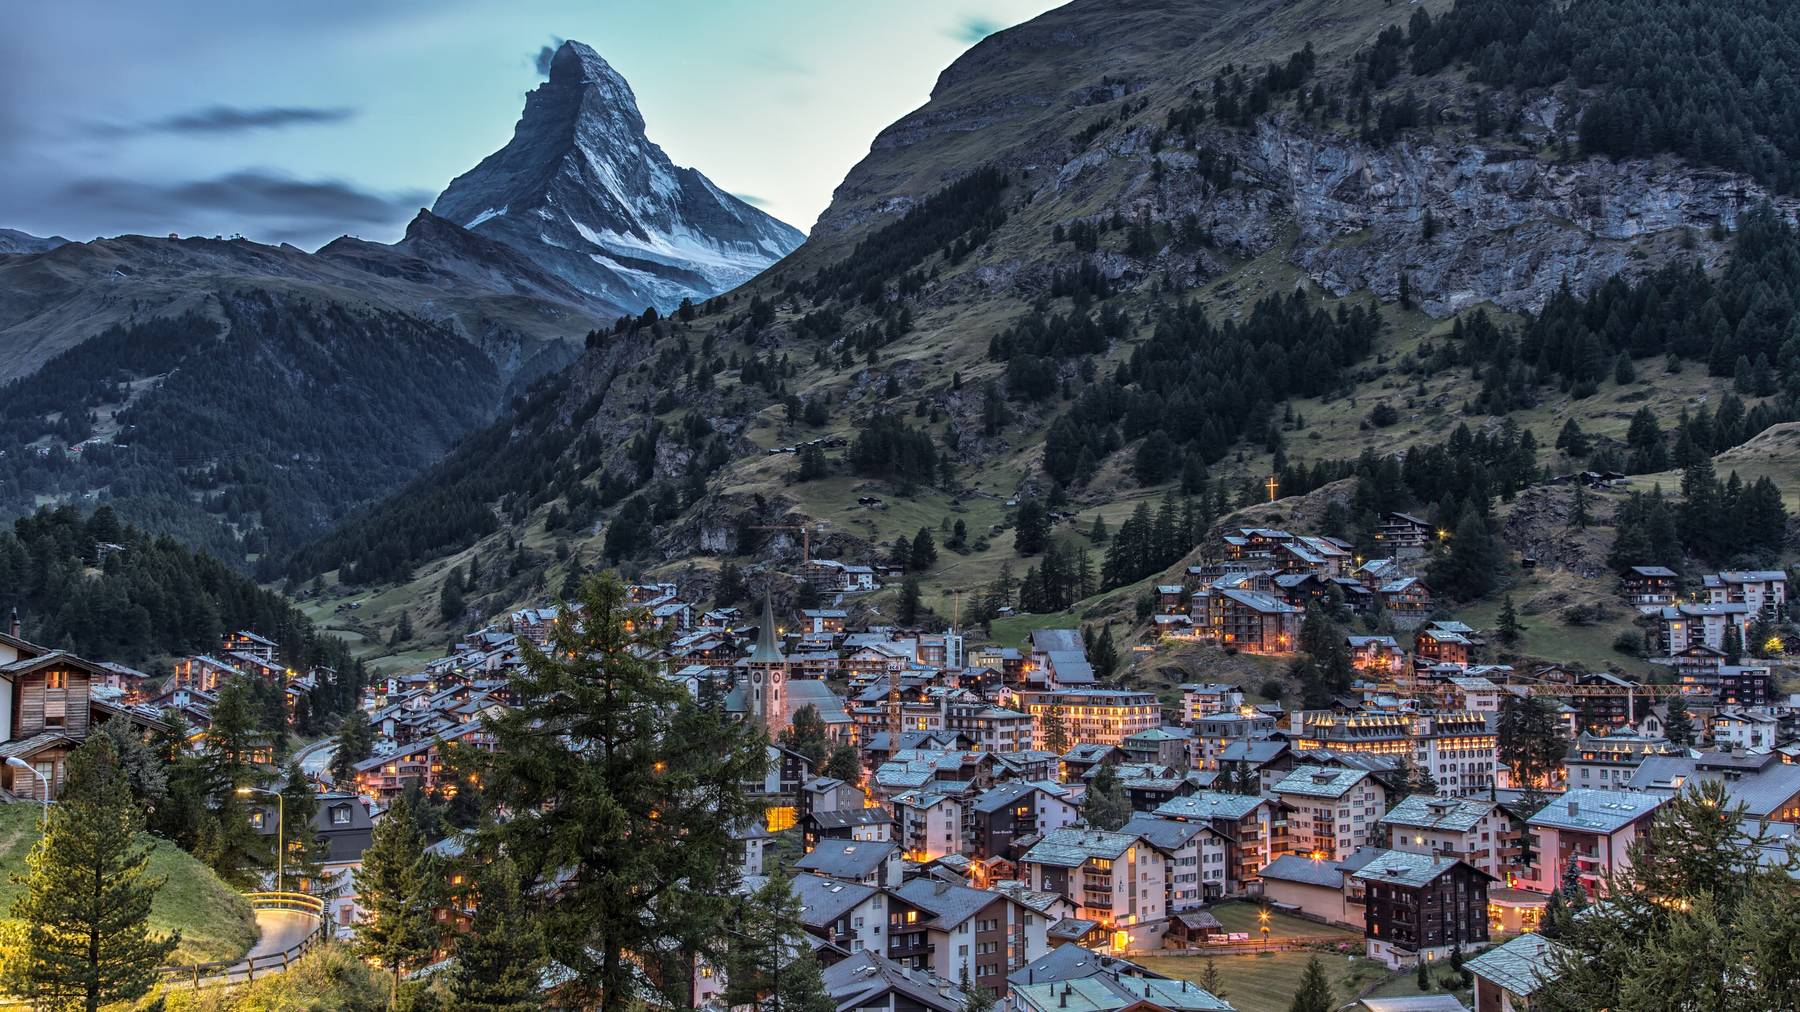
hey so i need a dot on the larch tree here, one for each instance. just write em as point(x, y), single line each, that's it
point(844, 763)
point(625, 792)
point(1701, 917)
point(1056, 729)
point(354, 742)
point(806, 735)
point(84, 939)
point(304, 853)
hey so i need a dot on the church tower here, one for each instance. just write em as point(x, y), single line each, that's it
point(766, 671)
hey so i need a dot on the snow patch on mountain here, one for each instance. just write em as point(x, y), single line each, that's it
point(485, 215)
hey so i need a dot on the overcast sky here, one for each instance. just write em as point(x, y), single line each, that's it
point(301, 121)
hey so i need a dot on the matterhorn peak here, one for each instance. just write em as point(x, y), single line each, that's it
point(582, 190)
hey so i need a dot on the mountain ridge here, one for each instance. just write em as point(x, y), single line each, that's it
point(482, 313)
point(14, 241)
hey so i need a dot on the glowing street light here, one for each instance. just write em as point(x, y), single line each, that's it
point(19, 764)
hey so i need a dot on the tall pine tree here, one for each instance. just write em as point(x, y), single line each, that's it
point(500, 958)
point(395, 887)
point(85, 911)
point(624, 791)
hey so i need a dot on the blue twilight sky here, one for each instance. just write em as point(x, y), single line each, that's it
point(301, 121)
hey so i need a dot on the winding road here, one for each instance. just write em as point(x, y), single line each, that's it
point(314, 759)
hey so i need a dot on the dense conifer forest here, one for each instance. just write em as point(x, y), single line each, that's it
point(270, 421)
point(111, 592)
point(1699, 78)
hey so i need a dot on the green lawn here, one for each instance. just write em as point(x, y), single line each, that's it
point(1266, 982)
point(214, 920)
point(1243, 917)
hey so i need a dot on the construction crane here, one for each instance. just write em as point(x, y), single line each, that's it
point(806, 533)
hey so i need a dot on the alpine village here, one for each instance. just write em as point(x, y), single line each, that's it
point(1241, 505)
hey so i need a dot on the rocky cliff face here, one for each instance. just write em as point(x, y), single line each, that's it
point(583, 192)
point(1511, 218)
point(1508, 225)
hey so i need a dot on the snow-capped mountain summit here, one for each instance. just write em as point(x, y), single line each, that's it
point(583, 192)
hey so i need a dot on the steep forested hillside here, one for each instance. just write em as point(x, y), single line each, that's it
point(111, 592)
point(1133, 258)
point(268, 420)
point(1705, 80)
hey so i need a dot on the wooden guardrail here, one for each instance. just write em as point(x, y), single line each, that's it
point(224, 973)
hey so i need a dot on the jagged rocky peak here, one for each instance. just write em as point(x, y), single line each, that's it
point(581, 190)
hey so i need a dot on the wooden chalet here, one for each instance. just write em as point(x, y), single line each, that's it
point(1403, 534)
point(1649, 588)
point(47, 710)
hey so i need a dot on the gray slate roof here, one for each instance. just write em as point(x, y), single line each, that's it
point(823, 900)
point(1449, 815)
point(1210, 805)
point(1069, 847)
point(1319, 781)
point(1591, 810)
point(1396, 867)
point(1522, 965)
point(950, 904)
point(848, 859)
point(1305, 871)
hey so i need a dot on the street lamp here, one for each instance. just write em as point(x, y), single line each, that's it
point(1263, 916)
point(280, 828)
point(19, 764)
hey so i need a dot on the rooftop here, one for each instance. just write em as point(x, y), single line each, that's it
point(1210, 805)
point(1591, 810)
point(1522, 965)
point(1425, 811)
point(1319, 782)
point(847, 859)
point(1413, 871)
point(1069, 847)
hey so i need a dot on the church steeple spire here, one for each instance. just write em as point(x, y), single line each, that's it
point(768, 637)
point(765, 673)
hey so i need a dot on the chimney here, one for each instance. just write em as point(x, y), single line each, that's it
point(13, 628)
